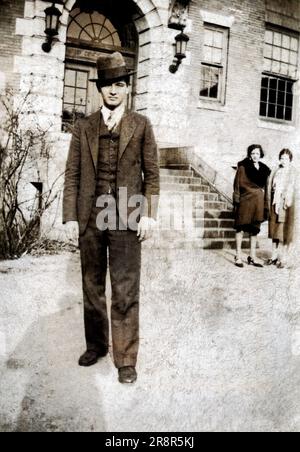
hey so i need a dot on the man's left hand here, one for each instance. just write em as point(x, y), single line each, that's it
point(145, 228)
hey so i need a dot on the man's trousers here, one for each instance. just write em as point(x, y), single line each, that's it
point(121, 252)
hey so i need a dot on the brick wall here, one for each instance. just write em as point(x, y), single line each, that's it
point(10, 44)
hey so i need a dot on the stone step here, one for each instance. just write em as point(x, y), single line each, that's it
point(211, 220)
point(176, 173)
point(177, 167)
point(214, 224)
point(184, 180)
point(219, 233)
point(216, 214)
point(215, 205)
point(175, 188)
point(197, 203)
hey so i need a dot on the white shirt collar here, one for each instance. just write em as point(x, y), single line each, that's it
point(118, 112)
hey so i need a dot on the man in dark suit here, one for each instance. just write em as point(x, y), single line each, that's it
point(111, 191)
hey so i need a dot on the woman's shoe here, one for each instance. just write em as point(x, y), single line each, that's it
point(280, 265)
point(272, 262)
point(239, 263)
point(252, 262)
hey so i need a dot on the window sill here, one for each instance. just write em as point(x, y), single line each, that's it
point(211, 105)
point(276, 125)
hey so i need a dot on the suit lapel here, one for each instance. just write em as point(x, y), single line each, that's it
point(128, 126)
point(92, 133)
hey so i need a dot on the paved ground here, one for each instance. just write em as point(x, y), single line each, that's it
point(220, 349)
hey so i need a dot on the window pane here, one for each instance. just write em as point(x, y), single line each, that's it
point(69, 95)
point(289, 100)
point(281, 98)
point(295, 44)
point(208, 38)
point(288, 114)
point(264, 95)
point(269, 36)
point(272, 111)
point(294, 58)
point(265, 82)
point(284, 69)
point(210, 82)
point(280, 112)
point(285, 56)
point(74, 30)
point(208, 54)
point(218, 40)
point(268, 51)
point(83, 19)
point(80, 97)
point(82, 79)
point(276, 67)
point(286, 41)
point(268, 65)
point(277, 53)
point(263, 109)
point(89, 29)
point(84, 36)
point(282, 85)
point(217, 56)
point(273, 83)
point(272, 96)
point(70, 77)
point(277, 39)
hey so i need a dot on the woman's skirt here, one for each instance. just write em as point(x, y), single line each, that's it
point(282, 232)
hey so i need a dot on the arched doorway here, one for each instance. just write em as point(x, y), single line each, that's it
point(95, 29)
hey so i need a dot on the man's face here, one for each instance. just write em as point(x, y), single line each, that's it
point(115, 94)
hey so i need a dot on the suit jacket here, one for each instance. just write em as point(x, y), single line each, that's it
point(138, 168)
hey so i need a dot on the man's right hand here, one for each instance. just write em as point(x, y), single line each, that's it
point(72, 232)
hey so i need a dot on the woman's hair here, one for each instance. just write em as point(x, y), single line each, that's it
point(252, 148)
point(286, 152)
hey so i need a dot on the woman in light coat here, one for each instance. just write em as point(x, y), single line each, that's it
point(281, 198)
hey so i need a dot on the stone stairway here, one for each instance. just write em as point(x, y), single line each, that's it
point(207, 221)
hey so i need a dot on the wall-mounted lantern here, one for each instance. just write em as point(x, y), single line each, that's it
point(180, 51)
point(52, 16)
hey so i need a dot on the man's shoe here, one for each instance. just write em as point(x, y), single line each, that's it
point(90, 357)
point(127, 375)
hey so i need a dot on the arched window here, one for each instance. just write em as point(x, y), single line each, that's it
point(92, 27)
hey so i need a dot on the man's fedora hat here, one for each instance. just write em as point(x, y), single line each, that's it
point(110, 68)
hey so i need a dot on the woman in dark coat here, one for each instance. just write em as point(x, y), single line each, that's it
point(250, 201)
point(281, 198)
